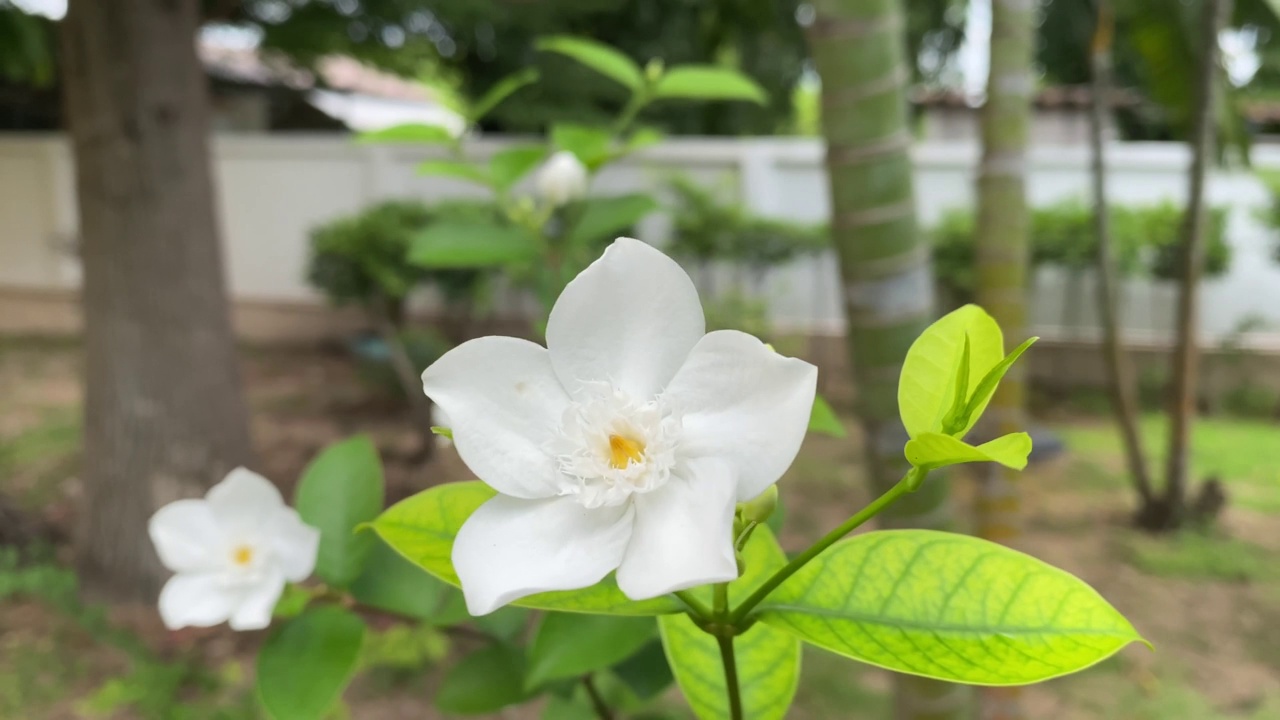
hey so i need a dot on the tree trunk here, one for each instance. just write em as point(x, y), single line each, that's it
point(1002, 256)
point(164, 408)
point(1168, 514)
point(858, 49)
point(1124, 398)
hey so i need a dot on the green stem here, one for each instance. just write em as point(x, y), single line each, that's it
point(731, 676)
point(697, 608)
point(902, 487)
point(597, 700)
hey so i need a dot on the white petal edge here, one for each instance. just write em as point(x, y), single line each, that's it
point(243, 501)
point(504, 405)
point(683, 533)
point(746, 404)
point(510, 548)
point(630, 318)
point(187, 536)
point(258, 603)
point(293, 543)
point(197, 600)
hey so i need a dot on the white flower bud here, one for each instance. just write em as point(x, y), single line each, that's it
point(562, 179)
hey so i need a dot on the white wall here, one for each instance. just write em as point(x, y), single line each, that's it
point(273, 189)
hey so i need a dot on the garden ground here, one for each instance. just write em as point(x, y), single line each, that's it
point(1210, 603)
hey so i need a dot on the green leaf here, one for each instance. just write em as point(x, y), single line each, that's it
point(590, 144)
point(505, 623)
point(292, 602)
point(931, 451)
point(442, 431)
point(460, 244)
point(603, 218)
point(391, 583)
point(987, 386)
point(569, 646)
point(926, 387)
point(768, 660)
point(409, 133)
point(709, 82)
point(339, 490)
point(642, 138)
point(597, 56)
point(823, 419)
point(508, 166)
point(500, 91)
point(459, 169)
point(948, 606)
point(485, 681)
point(422, 529)
point(307, 662)
point(647, 672)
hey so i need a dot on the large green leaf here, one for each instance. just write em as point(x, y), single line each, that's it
point(927, 385)
point(508, 166)
point(935, 450)
point(339, 490)
point(768, 660)
point(460, 169)
point(709, 82)
point(605, 217)
point(597, 56)
point(451, 244)
point(500, 91)
point(647, 673)
point(422, 529)
point(485, 681)
point(592, 145)
point(409, 133)
point(391, 583)
point(948, 606)
point(569, 646)
point(307, 662)
point(823, 419)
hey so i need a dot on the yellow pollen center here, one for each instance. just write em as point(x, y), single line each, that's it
point(242, 555)
point(624, 451)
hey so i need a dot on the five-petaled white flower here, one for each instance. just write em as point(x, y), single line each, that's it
point(232, 552)
point(624, 444)
point(562, 179)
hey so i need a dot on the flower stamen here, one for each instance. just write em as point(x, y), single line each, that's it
point(242, 555)
point(623, 451)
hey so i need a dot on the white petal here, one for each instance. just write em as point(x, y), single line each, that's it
point(243, 501)
point(293, 543)
point(187, 536)
point(683, 533)
point(630, 318)
point(746, 404)
point(257, 603)
point(510, 548)
point(505, 405)
point(197, 600)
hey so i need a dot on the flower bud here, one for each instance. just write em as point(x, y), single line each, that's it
point(759, 508)
point(653, 70)
point(562, 179)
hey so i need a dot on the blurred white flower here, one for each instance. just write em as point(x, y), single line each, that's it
point(232, 551)
point(562, 179)
point(624, 444)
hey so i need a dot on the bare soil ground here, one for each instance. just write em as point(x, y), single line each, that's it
point(1210, 604)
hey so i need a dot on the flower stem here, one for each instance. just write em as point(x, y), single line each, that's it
point(697, 608)
point(731, 676)
point(902, 487)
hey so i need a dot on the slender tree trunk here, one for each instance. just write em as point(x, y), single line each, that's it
point(1002, 254)
point(164, 408)
point(408, 376)
point(1186, 359)
point(858, 48)
point(1124, 398)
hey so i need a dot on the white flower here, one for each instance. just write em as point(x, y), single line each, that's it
point(232, 552)
point(624, 444)
point(562, 179)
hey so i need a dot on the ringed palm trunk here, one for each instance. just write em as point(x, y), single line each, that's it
point(1002, 261)
point(859, 50)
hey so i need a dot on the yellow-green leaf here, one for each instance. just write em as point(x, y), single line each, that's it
point(709, 82)
point(935, 450)
point(422, 529)
point(823, 419)
point(597, 56)
point(459, 169)
point(927, 384)
point(948, 606)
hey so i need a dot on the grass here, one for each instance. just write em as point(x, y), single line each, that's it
point(1242, 453)
point(1199, 556)
point(36, 460)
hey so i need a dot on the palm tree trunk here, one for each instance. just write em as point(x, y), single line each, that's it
point(858, 49)
point(1002, 256)
point(1186, 358)
point(1124, 400)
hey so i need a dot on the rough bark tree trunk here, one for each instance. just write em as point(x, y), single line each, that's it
point(1168, 514)
point(859, 50)
point(1002, 259)
point(1120, 378)
point(164, 408)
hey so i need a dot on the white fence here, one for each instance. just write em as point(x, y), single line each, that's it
point(273, 189)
